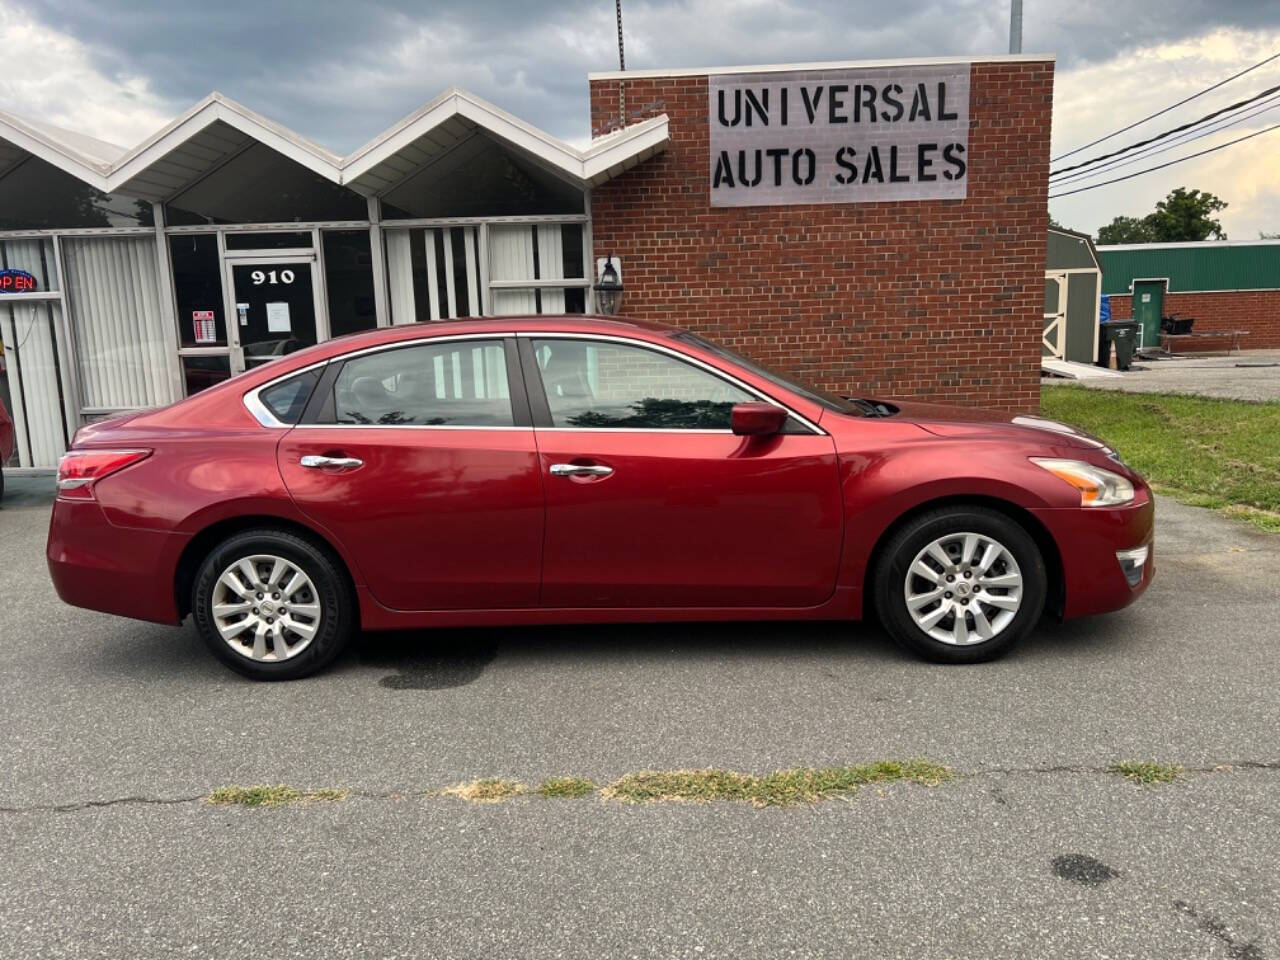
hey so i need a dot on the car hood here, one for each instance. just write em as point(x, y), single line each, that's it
point(946, 420)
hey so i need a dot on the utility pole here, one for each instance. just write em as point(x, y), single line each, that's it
point(622, 65)
point(1015, 26)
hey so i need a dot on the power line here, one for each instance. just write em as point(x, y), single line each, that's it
point(1161, 166)
point(1271, 103)
point(1158, 113)
point(1167, 133)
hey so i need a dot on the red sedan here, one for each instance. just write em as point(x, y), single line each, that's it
point(581, 470)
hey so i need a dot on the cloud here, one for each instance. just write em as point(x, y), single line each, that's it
point(50, 77)
point(1093, 99)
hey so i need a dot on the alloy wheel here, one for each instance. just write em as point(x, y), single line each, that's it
point(963, 588)
point(266, 608)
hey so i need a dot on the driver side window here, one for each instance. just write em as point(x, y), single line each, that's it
point(597, 384)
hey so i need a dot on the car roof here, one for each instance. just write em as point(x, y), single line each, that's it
point(620, 326)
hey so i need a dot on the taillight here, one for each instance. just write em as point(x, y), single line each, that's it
point(79, 469)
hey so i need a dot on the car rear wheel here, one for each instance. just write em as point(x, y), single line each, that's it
point(960, 584)
point(272, 605)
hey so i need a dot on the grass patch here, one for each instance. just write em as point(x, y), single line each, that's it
point(270, 796)
point(1146, 773)
point(778, 789)
point(1223, 454)
point(489, 790)
point(566, 787)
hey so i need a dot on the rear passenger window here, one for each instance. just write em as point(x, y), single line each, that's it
point(286, 400)
point(461, 383)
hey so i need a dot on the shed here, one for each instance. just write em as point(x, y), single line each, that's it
point(1072, 296)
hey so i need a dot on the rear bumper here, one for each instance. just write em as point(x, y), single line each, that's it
point(120, 570)
point(1089, 539)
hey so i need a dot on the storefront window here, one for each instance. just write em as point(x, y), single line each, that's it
point(31, 265)
point(36, 195)
point(200, 373)
point(262, 186)
point(434, 273)
point(545, 251)
point(348, 269)
point(197, 285)
point(117, 322)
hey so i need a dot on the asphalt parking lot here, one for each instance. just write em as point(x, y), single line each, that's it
point(114, 731)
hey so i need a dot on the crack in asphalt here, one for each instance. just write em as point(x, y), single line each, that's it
point(1226, 766)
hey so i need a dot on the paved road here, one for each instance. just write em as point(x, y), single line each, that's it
point(1251, 375)
point(113, 730)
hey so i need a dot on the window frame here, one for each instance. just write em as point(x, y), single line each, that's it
point(319, 404)
point(541, 408)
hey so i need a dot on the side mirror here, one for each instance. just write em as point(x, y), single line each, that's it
point(757, 419)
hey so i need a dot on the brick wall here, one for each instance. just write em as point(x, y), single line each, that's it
point(1257, 311)
point(937, 299)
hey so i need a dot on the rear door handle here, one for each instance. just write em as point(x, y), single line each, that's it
point(341, 463)
point(580, 470)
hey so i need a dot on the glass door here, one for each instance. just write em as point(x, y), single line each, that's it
point(272, 307)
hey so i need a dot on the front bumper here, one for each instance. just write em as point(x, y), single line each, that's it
point(122, 570)
point(1092, 542)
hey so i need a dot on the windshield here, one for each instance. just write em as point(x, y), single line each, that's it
point(821, 397)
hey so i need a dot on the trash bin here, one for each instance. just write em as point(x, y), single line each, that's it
point(1124, 335)
point(1104, 345)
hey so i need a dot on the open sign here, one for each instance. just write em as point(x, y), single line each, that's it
point(16, 281)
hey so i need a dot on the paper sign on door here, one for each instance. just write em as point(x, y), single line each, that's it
point(278, 317)
point(205, 329)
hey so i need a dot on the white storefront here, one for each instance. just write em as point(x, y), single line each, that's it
point(224, 240)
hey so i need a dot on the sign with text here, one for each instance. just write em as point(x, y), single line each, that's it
point(839, 136)
point(17, 281)
point(206, 330)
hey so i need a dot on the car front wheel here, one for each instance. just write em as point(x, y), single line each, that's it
point(960, 584)
point(272, 605)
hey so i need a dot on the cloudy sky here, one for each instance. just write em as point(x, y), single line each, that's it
point(341, 71)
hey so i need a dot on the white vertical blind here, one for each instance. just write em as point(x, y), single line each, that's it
point(31, 354)
point(551, 265)
point(444, 299)
point(400, 273)
point(114, 302)
point(511, 258)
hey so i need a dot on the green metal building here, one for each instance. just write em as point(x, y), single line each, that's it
point(1168, 278)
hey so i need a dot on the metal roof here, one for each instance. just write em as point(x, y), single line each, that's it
point(1190, 267)
point(217, 128)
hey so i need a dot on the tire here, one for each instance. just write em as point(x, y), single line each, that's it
point(290, 628)
point(1008, 610)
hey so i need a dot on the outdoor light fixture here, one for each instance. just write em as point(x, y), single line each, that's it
point(609, 289)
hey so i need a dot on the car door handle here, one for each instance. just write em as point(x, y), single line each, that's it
point(580, 470)
point(318, 462)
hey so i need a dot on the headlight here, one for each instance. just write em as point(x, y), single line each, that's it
point(1098, 487)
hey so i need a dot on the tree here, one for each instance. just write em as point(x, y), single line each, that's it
point(1268, 236)
point(1188, 216)
point(1183, 216)
point(1126, 230)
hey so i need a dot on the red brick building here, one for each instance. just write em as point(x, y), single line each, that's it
point(931, 298)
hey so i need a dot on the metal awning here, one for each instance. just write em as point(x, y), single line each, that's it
point(217, 129)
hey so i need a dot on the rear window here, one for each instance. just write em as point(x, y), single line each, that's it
point(287, 399)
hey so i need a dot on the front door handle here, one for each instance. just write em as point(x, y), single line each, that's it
point(341, 463)
point(580, 470)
